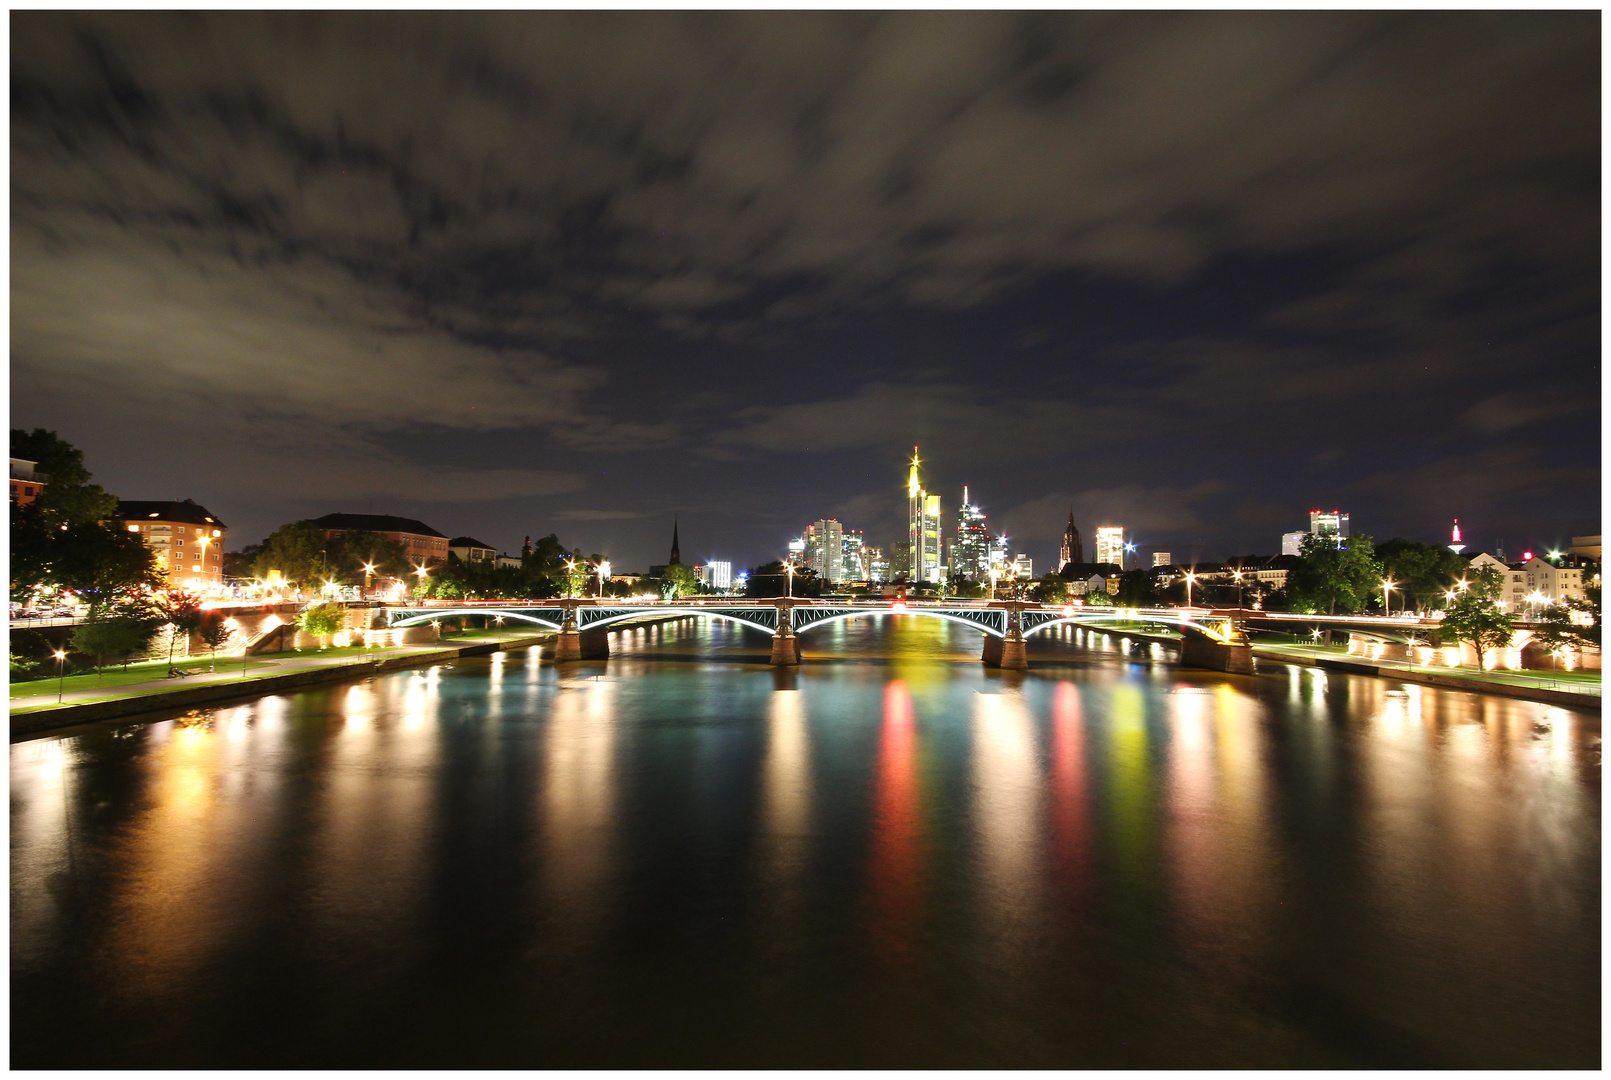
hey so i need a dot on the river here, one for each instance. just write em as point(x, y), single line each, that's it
point(891, 856)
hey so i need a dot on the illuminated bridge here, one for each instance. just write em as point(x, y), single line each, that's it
point(1209, 638)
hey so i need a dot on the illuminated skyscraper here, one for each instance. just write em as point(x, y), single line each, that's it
point(923, 527)
point(1110, 544)
point(825, 543)
point(970, 550)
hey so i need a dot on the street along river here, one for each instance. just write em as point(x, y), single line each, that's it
point(891, 856)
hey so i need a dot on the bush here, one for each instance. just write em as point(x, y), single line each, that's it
point(323, 620)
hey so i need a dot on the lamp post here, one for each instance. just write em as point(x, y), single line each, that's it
point(1238, 576)
point(1129, 549)
point(369, 570)
point(423, 573)
point(61, 673)
point(1190, 579)
point(604, 574)
point(1387, 601)
point(788, 570)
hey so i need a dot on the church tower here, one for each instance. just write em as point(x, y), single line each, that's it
point(1073, 549)
point(676, 557)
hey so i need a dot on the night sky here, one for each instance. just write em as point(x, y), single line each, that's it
point(526, 273)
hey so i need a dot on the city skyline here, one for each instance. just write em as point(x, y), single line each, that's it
point(552, 298)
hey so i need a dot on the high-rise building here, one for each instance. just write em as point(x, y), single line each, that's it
point(1162, 558)
point(1110, 544)
point(1073, 549)
point(1023, 568)
point(1292, 543)
point(854, 556)
point(877, 563)
point(825, 549)
point(923, 527)
point(718, 574)
point(970, 550)
point(1322, 523)
point(900, 562)
point(797, 550)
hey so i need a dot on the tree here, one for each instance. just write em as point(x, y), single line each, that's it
point(323, 620)
point(1556, 627)
point(965, 588)
point(1475, 615)
point(346, 556)
point(29, 648)
point(1050, 589)
point(67, 495)
point(103, 564)
point(1331, 577)
point(180, 610)
point(679, 581)
point(215, 633)
point(112, 636)
point(1136, 589)
point(66, 521)
point(1422, 573)
point(297, 551)
point(1098, 598)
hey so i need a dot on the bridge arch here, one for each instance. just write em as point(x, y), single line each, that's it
point(840, 616)
point(418, 617)
point(1120, 615)
point(613, 621)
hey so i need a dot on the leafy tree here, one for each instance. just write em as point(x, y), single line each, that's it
point(322, 620)
point(54, 534)
point(347, 554)
point(67, 495)
point(103, 564)
point(1050, 589)
point(113, 636)
point(965, 588)
point(1422, 573)
point(1098, 598)
point(1555, 626)
point(297, 551)
point(1475, 614)
point(771, 580)
point(215, 632)
point(1330, 577)
point(1136, 589)
point(179, 609)
point(679, 581)
point(29, 648)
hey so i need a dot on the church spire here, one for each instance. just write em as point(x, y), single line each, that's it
point(676, 557)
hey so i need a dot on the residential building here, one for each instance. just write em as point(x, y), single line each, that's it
point(422, 545)
point(1110, 544)
point(471, 550)
point(1082, 585)
point(923, 527)
point(26, 482)
point(186, 539)
point(825, 549)
point(970, 550)
point(1586, 546)
point(1537, 583)
point(1162, 558)
point(511, 562)
point(1292, 542)
point(1073, 549)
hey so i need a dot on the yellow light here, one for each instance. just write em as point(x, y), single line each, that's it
point(59, 655)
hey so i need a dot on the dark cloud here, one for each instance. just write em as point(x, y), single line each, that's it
point(494, 267)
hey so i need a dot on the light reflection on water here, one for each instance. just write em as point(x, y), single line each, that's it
point(889, 857)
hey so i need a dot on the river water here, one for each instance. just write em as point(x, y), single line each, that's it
point(889, 857)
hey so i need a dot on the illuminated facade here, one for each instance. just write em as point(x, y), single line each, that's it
point(186, 539)
point(1322, 523)
point(1110, 545)
point(825, 549)
point(970, 550)
point(923, 527)
point(854, 556)
point(26, 482)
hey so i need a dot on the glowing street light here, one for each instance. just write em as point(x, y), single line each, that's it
point(604, 575)
point(1387, 604)
point(1237, 574)
point(1191, 579)
point(788, 567)
point(61, 676)
point(369, 570)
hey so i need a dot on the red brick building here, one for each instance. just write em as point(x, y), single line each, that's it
point(186, 539)
point(423, 544)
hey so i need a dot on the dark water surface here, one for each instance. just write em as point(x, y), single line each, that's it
point(891, 857)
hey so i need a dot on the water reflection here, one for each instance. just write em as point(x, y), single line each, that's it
point(879, 856)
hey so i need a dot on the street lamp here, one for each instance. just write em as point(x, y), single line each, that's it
point(61, 673)
point(1237, 574)
point(1191, 578)
point(1387, 604)
point(570, 577)
point(604, 574)
point(788, 568)
point(423, 573)
point(1130, 549)
point(369, 570)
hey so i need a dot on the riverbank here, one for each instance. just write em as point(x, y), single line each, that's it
point(1550, 690)
point(276, 673)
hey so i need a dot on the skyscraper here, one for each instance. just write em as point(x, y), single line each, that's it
point(854, 558)
point(923, 527)
point(825, 549)
point(1073, 550)
point(1110, 544)
point(970, 551)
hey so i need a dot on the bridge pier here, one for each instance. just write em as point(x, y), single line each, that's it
point(785, 647)
point(1007, 652)
point(1197, 650)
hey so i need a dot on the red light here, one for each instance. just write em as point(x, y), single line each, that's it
point(1527, 556)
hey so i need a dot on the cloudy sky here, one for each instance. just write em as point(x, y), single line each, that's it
point(526, 273)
